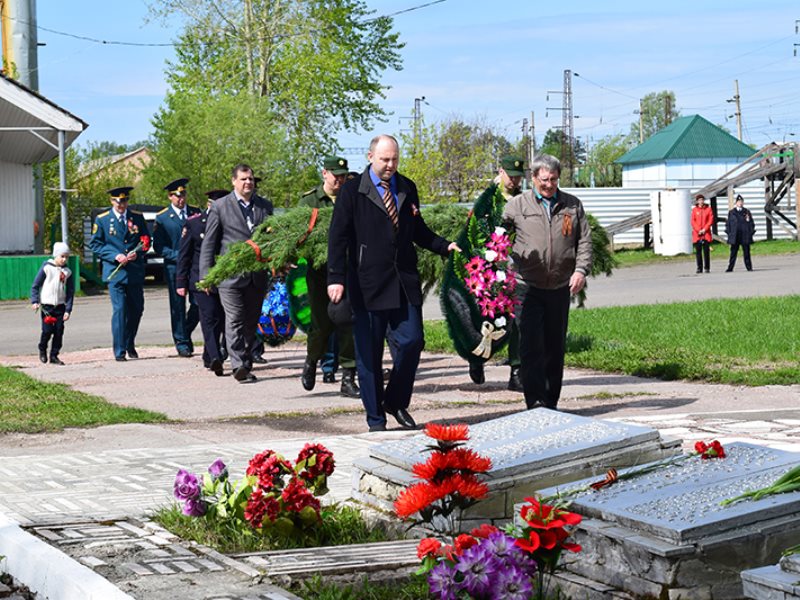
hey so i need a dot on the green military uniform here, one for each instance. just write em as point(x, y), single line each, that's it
point(321, 325)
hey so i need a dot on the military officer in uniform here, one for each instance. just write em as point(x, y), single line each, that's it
point(120, 239)
point(509, 178)
point(166, 240)
point(187, 274)
point(334, 174)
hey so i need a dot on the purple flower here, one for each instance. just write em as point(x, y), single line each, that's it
point(186, 487)
point(195, 507)
point(478, 566)
point(442, 582)
point(511, 584)
point(218, 470)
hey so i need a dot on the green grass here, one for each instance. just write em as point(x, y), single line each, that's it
point(751, 341)
point(640, 256)
point(31, 406)
point(316, 588)
point(341, 525)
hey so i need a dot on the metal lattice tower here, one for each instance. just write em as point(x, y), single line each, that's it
point(567, 126)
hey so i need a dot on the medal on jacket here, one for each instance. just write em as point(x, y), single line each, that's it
point(566, 226)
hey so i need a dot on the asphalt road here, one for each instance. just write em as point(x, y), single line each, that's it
point(90, 325)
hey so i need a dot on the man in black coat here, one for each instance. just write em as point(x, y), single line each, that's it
point(212, 317)
point(232, 219)
point(371, 257)
point(740, 228)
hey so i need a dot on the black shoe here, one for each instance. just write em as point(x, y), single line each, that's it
point(476, 372)
point(514, 383)
point(374, 428)
point(216, 366)
point(309, 377)
point(259, 360)
point(120, 358)
point(132, 353)
point(729, 270)
point(243, 375)
point(329, 377)
point(54, 360)
point(43, 356)
point(699, 271)
point(403, 418)
point(349, 385)
point(708, 270)
point(749, 268)
point(184, 352)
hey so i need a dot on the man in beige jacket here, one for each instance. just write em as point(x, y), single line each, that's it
point(552, 254)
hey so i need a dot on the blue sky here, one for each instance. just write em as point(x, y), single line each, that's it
point(495, 60)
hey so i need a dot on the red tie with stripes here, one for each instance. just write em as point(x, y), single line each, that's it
point(388, 202)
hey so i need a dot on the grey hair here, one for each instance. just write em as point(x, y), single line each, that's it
point(547, 162)
point(381, 137)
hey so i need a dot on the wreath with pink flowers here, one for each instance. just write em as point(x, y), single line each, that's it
point(477, 294)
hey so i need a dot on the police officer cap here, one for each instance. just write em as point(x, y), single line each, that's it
point(177, 187)
point(514, 166)
point(341, 313)
point(216, 194)
point(336, 165)
point(120, 193)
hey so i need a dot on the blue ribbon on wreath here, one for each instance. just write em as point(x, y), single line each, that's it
point(275, 326)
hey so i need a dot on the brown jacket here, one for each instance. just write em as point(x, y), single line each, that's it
point(547, 252)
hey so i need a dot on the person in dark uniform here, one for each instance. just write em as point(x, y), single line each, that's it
point(509, 177)
point(120, 239)
point(187, 274)
point(376, 224)
point(740, 228)
point(334, 174)
point(257, 354)
point(166, 240)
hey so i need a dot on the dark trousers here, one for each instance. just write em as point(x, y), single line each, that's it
point(745, 252)
point(52, 330)
point(543, 338)
point(242, 307)
point(182, 323)
point(322, 328)
point(212, 324)
point(703, 255)
point(127, 306)
point(370, 330)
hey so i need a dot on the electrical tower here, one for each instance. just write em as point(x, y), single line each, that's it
point(567, 125)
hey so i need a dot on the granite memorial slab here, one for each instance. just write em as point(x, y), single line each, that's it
point(666, 532)
point(529, 450)
point(781, 581)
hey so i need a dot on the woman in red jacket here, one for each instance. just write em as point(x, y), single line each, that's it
point(702, 220)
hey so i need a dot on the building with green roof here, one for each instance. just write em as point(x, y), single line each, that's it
point(690, 152)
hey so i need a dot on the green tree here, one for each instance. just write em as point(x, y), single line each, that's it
point(658, 109)
point(555, 144)
point(453, 160)
point(297, 73)
point(600, 170)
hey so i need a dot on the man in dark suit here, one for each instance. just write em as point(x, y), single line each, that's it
point(232, 219)
point(376, 222)
point(166, 241)
point(212, 317)
point(120, 239)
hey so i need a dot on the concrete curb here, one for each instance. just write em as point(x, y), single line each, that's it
point(49, 572)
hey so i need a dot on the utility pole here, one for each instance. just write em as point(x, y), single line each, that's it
point(738, 112)
point(641, 122)
point(567, 123)
point(417, 118)
point(533, 136)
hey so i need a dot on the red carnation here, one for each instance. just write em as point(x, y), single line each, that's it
point(447, 433)
point(428, 547)
point(145, 239)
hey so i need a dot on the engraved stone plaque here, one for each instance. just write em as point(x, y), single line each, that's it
point(528, 441)
point(681, 502)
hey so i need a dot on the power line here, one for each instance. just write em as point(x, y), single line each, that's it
point(171, 44)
